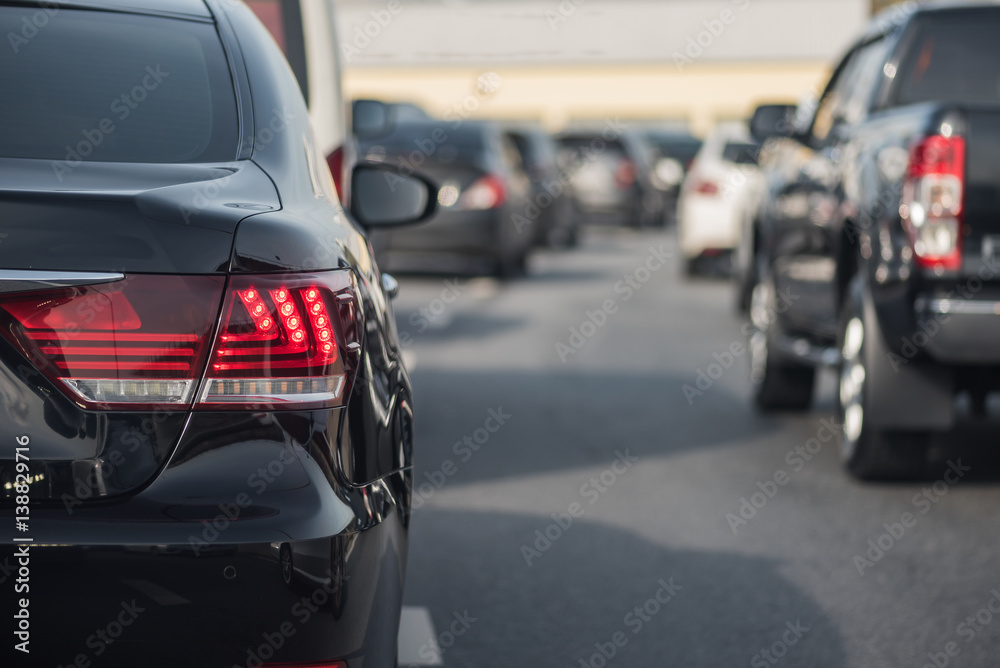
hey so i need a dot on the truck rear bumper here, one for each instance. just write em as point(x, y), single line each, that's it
point(957, 331)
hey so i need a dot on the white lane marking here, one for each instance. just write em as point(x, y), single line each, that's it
point(156, 592)
point(418, 644)
point(409, 360)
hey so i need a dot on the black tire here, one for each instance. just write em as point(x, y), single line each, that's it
point(866, 452)
point(573, 235)
point(689, 267)
point(743, 283)
point(779, 383)
point(512, 266)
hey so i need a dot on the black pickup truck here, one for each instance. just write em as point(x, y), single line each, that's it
point(875, 246)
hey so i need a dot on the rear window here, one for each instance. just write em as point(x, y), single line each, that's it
point(102, 86)
point(953, 58)
point(741, 153)
point(467, 139)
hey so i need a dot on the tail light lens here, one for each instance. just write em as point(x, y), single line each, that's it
point(489, 192)
point(145, 342)
point(134, 344)
point(932, 203)
point(338, 168)
point(285, 340)
point(625, 175)
point(704, 187)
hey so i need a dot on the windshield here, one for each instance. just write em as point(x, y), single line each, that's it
point(110, 87)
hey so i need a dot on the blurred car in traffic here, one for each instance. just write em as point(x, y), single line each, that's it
point(715, 196)
point(373, 118)
point(613, 174)
point(677, 149)
point(551, 204)
point(191, 328)
point(876, 248)
point(480, 226)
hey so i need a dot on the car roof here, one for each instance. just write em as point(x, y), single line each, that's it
point(193, 8)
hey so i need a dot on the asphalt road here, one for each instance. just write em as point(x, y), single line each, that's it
point(577, 507)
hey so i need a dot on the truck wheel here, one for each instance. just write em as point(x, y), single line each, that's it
point(867, 452)
point(779, 384)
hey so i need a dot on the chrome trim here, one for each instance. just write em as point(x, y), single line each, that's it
point(13, 280)
point(390, 285)
point(960, 306)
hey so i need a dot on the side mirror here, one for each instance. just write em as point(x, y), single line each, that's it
point(370, 119)
point(381, 197)
point(773, 120)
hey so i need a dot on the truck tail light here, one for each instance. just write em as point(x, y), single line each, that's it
point(488, 192)
point(932, 206)
point(284, 341)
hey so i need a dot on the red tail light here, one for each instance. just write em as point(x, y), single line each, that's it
point(338, 169)
point(146, 341)
point(626, 174)
point(133, 344)
point(704, 187)
point(285, 340)
point(489, 192)
point(932, 205)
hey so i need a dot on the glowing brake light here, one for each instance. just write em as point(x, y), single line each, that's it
point(489, 192)
point(291, 341)
point(279, 346)
point(140, 342)
point(932, 206)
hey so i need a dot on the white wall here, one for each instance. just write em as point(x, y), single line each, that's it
point(482, 32)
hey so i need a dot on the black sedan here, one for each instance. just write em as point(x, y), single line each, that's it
point(485, 222)
point(205, 448)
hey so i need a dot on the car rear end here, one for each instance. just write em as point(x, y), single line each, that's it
point(948, 250)
point(175, 487)
point(714, 196)
point(480, 192)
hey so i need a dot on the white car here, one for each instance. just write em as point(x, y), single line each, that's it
point(715, 196)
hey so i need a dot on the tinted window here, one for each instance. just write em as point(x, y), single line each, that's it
point(741, 153)
point(469, 138)
point(113, 87)
point(871, 63)
point(537, 152)
point(683, 150)
point(954, 58)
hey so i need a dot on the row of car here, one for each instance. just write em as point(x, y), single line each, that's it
point(505, 189)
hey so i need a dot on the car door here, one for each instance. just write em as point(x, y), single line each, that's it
point(807, 213)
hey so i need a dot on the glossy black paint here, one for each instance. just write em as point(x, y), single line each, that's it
point(831, 211)
point(224, 528)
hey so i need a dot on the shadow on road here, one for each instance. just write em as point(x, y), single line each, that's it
point(585, 588)
point(567, 420)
